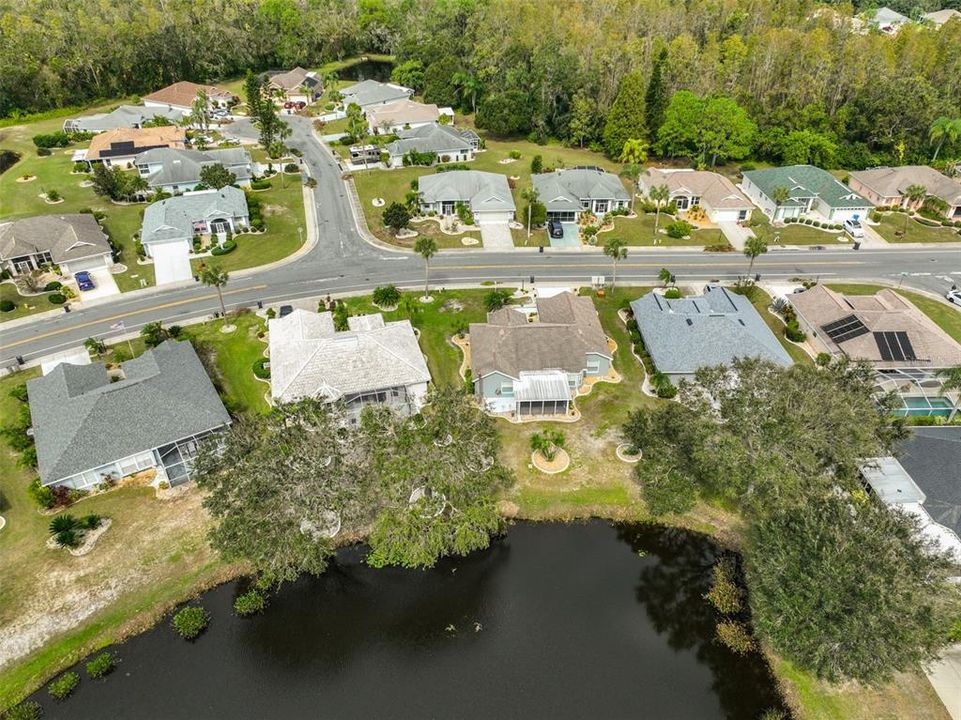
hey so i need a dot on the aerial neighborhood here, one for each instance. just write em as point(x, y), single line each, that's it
point(388, 284)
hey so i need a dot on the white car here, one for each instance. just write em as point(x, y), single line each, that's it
point(853, 228)
point(953, 296)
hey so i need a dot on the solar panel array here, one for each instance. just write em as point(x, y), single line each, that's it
point(845, 329)
point(894, 346)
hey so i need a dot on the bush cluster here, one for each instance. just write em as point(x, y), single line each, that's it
point(52, 285)
point(227, 247)
point(662, 386)
point(57, 298)
point(27, 710)
point(262, 184)
point(386, 296)
point(672, 293)
point(191, 621)
point(261, 368)
point(725, 595)
point(735, 636)
point(63, 686)
point(452, 166)
point(7, 305)
point(250, 603)
point(57, 138)
point(101, 665)
point(679, 229)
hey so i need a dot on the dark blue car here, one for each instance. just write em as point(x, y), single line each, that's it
point(84, 281)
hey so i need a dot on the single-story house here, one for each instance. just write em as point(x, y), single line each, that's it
point(125, 116)
point(447, 143)
point(859, 326)
point(372, 92)
point(568, 193)
point(93, 426)
point(808, 189)
point(486, 194)
point(714, 328)
point(364, 154)
point(74, 242)
point(404, 115)
point(176, 220)
point(119, 147)
point(373, 362)
point(181, 96)
point(178, 170)
point(297, 85)
point(886, 186)
point(924, 482)
point(536, 368)
point(887, 20)
point(940, 17)
point(713, 192)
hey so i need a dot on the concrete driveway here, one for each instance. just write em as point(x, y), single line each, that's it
point(496, 237)
point(735, 234)
point(571, 239)
point(171, 263)
point(104, 285)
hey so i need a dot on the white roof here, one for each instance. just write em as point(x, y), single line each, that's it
point(539, 386)
point(308, 358)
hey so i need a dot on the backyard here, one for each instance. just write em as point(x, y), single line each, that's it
point(892, 228)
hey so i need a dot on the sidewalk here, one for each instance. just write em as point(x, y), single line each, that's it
point(945, 677)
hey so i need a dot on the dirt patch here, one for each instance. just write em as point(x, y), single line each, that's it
point(559, 464)
point(452, 306)
point(273, 210)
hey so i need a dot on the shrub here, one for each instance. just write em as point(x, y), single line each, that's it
point(63, 522)
point(227, 247)
point(386, 296)
point(7, 305)
point(793, 332)
point(80, 167)
point(90, 522)
point(250, 603)
point(24, 711)
point(291, 168)
point(748, 166)
point(537, 165)
point(734, 636)
point(670, 493)
point(52, 285)
point(679, 229)
point(61, 688)
point(50, 140)
point(663, 386)
point(41, 494)
point(191, 621)
point(672, 293)
point(271, 313)
point(57, 298)
point(101, 665)
point(496, 299)
point(53, 195)
point(261, 368)
point(43, 152)
point(67, 538)
point(514, 154)
point(260, 184)
point(724, 594)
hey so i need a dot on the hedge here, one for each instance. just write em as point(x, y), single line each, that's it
point(57, 299)
point(228, 246)
point(261, 370)
point(260, 185)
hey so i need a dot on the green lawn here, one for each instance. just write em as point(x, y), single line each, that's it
point(793, 234)
point(283, 213)
point(947, 316)
point(761, 301)
point(639, 231)
point(25, 305)
point(892, 229)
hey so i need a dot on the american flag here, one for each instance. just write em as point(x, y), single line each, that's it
point(117, 326)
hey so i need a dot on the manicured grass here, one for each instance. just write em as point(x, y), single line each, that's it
point(548, 502)
point(761, 301)
point(25, 305)
point(947, 316)
point(283, 212)
point(892, 229)
point(640, 231)
point(794, 233)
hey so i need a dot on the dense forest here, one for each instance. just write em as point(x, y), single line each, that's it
point(794, 79)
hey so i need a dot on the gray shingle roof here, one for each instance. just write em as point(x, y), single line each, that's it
point(309, 359)
point(65, 237)
point(428, 138)
point(483, 190)
point(805, 181)
point(82, 421)
point(173, 218)
point(712, 329)
point(125, 116)
point(182, 167)
point(567, 329)
point(564, 189)
point(933, 458)
point(371, 92)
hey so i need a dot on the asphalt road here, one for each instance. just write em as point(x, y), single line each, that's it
point(342, 262)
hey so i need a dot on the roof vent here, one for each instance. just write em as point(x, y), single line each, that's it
point(689, 321)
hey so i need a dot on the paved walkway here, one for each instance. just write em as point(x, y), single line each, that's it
point(945, 676)
point(735, 234)
point(497, 237)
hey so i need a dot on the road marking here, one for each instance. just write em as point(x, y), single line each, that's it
point(120, 316)
point(666, 261)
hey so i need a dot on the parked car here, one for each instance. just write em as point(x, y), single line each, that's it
point(84, 281)
point(285, 310)
point(954, 296)
point(555, 229)
point(288, 104)
point(853, 228)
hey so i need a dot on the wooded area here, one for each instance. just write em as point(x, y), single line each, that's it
point(528, 66)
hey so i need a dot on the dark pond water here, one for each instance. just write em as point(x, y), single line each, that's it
point(367, 70)
point(553, 621)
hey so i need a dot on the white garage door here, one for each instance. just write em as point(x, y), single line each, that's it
point(725, 216)
point(171, 262)
point(839, 216)
point(91, 263)
point(485, 218)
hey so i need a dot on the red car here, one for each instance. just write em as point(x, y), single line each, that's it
point(288, 105)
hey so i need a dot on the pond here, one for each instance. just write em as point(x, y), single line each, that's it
point(582, 620)
point(367, 70)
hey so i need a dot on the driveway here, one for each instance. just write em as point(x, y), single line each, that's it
point(496, 237)
point(171, 263)
point(735, 234)
point(104, 285)
point(571, 237)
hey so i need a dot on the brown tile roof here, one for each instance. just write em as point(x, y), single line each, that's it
point(400, 112)
point(142, 139)
point(567, 329)
point(294, 79)
point(893, 182)
point(183, 94)
point(716, 191)
point(885, 311)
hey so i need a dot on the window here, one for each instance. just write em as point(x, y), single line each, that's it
point(593, 366)
point(507, 389)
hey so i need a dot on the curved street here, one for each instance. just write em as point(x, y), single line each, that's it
point(343, 262)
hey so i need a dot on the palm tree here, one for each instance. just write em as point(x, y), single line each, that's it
point(427, 248)
point(753, 247)
point(200, 110)
point(659, 194)
point(616, 250)
point(944, 129)
point(470, 87)
point(531, 196)
point(952, 382)
point(632, 172)
point(547, 443)
point(914, 194)
point(665, 275)
point(95, 346)
point(216, 278)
